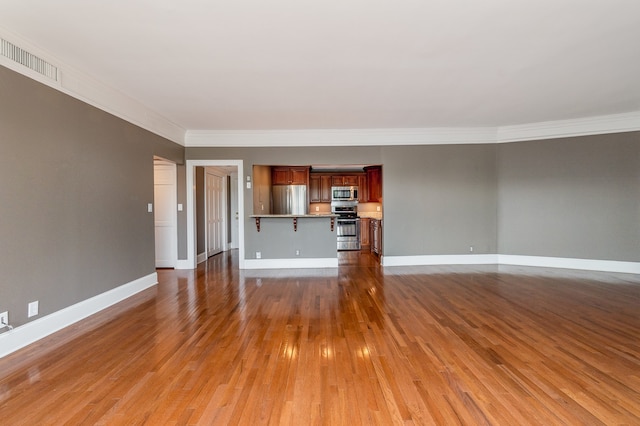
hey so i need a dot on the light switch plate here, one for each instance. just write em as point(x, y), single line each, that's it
point(150, 208)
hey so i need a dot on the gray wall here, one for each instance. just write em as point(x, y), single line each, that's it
point(74, 187)
point(575, 198)
point(439, 199)
point(436, 199)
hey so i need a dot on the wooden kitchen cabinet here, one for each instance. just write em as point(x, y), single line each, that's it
point(346, 180)
point(365, 241)
point(374, 183)
point(281, 175)
point(319, 188)
point(363, 189)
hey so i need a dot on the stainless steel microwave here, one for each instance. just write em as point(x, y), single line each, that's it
point(344, 193)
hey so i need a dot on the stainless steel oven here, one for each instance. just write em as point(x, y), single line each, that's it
point(348, 229)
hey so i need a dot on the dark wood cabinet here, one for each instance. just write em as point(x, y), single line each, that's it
point(365, 241)
point(319, 188)
point(363, 189)
point(374, 183)
point(345, 180)
point(281, 175)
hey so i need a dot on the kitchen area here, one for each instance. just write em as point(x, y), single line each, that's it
point(349, 195)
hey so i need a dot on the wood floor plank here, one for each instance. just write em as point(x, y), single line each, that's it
point(359, 344)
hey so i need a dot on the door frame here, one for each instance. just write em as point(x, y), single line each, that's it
point(191, 261)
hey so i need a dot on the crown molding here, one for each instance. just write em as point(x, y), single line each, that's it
point(339, 137)
point(617, 123)
point(603, 124)
point(89, 90)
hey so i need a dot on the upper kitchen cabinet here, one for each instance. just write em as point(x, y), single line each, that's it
point(283, 175)
point(319, 188)
point(363, 188)
point(347, 180)
point(374, 183)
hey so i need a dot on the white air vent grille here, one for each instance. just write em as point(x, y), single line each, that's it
point(28, 60)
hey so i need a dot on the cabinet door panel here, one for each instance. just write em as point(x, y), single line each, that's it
point(279, 176)
point(298, 175)
point(363, 189)
point(325, 189)
point(315, 189)
point(351, 180)
point(336, 180)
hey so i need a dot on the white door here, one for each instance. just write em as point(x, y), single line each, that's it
point(235, 215)
point(215, 205)
point(165, 216)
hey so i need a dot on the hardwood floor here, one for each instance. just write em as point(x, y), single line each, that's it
point(355, 345)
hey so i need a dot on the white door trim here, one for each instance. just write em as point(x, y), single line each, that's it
point(191, 263)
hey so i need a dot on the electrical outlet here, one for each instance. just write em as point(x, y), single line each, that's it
point(32, 309)
point(258, 255)
point(4, 319)
point(470, 249)
point(297, 252)
point(377, 208)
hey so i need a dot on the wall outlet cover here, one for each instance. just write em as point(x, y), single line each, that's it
point(32, 309)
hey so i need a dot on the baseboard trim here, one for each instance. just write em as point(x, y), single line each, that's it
point(571, 263)
point(33, 331)
point(505, 259)
point(184, 264)
point(459, 259)
point(331, 262)
point(202, 257)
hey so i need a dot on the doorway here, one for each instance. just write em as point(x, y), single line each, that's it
point(233, 168)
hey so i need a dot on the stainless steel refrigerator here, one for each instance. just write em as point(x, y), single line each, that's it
point(289, 199)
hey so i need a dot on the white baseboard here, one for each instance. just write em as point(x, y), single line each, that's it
point(454, 259)
point(570, 263)
point(202, 257)
point(331, 262)
point(184, 264)
point(505, 259)
point(19, 337)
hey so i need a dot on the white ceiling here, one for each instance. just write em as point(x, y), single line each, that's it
point(348, 64)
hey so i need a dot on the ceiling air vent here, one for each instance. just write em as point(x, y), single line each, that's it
point(28, 60)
